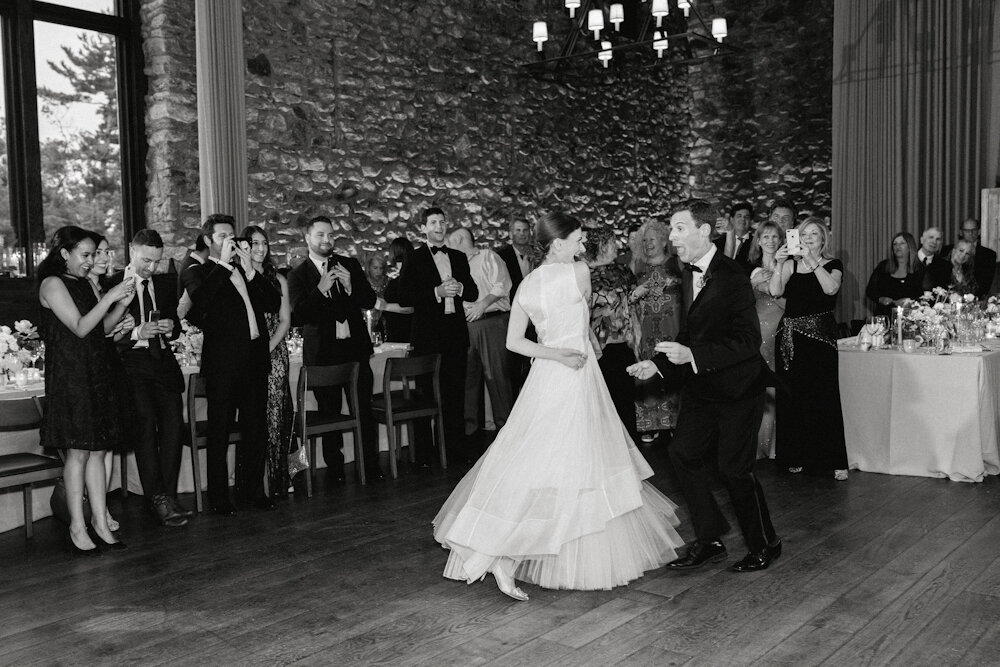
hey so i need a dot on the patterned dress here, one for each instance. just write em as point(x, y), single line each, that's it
point(612, 324)
point(279, 407)
point(658, 313)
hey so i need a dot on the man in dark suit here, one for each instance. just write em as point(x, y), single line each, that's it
point(741, 217)
point(155, 382)
point(196, 257)
point(716, 360)
point(985, 259)
point(519, 258)
point(435, 282)
point(229, 300)
point(329, 293)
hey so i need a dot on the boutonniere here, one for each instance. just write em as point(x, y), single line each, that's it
point(703, 279)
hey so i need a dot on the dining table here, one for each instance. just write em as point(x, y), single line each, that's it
point(922, 413)
point(11, 509)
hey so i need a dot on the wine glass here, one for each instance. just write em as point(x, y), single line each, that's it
point(35, 349)
point(872, 326)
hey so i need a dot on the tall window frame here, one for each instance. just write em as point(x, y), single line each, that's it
point(17, 23)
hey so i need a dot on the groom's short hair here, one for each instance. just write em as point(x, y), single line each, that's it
point(702, 212)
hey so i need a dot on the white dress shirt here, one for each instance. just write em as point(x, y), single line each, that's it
point(492, 278)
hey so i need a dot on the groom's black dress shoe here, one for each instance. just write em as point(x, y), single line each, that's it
point(698, 554)
point(758, 561)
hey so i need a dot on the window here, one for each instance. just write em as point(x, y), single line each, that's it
point(72, 149)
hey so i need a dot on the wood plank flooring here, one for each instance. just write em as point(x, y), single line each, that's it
point(877, 570)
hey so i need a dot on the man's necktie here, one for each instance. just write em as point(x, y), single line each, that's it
point(436, 249)
point(693, 268)
point(155, 349)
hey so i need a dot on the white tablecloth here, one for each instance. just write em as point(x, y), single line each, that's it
point(11, 509)
point(922, 414)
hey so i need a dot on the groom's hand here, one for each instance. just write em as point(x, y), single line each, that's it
point(676, 353)
point(642, 370)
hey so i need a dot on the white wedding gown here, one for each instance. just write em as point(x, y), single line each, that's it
point(560, 491)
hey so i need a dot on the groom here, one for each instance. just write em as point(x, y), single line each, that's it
point(716, 361)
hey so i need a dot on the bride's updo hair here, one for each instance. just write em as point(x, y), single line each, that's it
point(550, 227)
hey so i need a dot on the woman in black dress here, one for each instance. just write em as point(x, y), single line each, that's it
point(397, 319)
point(279, 393)
point(809, 419)
point(83, 414)
point(896, 278)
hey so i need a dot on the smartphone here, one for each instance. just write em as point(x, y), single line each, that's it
point(792, 242)
point(153, 316)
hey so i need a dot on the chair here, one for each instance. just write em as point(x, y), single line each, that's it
point(23, 469)
point(310, 423)
point(198, 429)
point(394, 407)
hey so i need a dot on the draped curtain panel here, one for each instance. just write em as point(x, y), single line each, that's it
point(222, 133)
point(916, 134)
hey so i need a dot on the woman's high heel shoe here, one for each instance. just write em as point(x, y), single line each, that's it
point(111, 546)
point(505, 583)
point(77, 551)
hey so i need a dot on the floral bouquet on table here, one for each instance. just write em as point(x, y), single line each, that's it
point(940, 315)
point(187, 346)
point(13, 357)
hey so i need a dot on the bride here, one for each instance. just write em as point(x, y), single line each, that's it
point(558, 500)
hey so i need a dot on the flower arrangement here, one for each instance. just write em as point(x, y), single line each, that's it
point(18, 347)
point(189, 343)
point(939, 313)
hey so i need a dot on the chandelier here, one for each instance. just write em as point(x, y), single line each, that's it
point(603, 36)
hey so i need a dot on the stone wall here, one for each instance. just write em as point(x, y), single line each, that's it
point(370, 111)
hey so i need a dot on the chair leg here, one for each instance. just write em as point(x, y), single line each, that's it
point(311, 443)
point(359, 455)
point(123, 471)
point(196, 469)
point(28, 518)
point(410, 438)
point(439, 424)
point(390, 431)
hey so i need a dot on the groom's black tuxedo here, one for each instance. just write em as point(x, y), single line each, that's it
point(722, 397)
point(434, 330)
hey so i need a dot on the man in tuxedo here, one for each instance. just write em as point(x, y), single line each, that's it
point(716, 361)
point(196, 257)
point(985, 259)
point(741, 216)
point(229, 300)
point(329, 293)
point(155, 382)
point(436, 283)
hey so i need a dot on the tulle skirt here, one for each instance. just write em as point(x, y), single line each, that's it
point(560, 492)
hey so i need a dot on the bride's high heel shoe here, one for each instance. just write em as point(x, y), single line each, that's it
point(505, 582)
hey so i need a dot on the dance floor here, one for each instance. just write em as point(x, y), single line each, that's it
point(880, 569)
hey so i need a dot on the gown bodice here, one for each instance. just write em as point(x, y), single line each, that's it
point(552, 299)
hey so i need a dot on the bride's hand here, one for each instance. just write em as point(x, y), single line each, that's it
point(571, 358)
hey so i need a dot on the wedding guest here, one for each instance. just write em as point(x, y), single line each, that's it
point(194, 258)
point(98, 276)
point(397, 320)
point(767, 239)
point(962, 278)
point(930, 246)
point(329, 293)
point(716, 361)
point(279, 393)
point(897, 278)
point(739, 236)
point(436, 282)
point(153, 378)
point(611, 320)
point(229, 299)
point(810, 422)
point(520, 257)
point(985, 259)
point(487, 320)
point(375, 272)
point(83, 414)
point(656, 304)
point(783, 213)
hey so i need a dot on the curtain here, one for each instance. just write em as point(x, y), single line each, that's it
point(915, 133)
point(222, 134)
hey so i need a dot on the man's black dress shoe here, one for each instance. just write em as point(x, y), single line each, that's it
point(223, 509)
point(758, 561)
point(698, 554)
point(164, 510)
point(180, 509)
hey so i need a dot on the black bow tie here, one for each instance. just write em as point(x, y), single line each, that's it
point(437, 248)
point(693, 268)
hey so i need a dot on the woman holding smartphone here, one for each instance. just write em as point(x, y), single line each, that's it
point(279, 394)
point(809, 420)
point(83, 413)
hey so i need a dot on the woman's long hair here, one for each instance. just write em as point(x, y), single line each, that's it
point(268, 264)
point(913, 265)
point(65, 238)
point(756, 254)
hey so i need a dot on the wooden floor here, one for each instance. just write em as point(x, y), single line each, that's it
point(877, 570)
